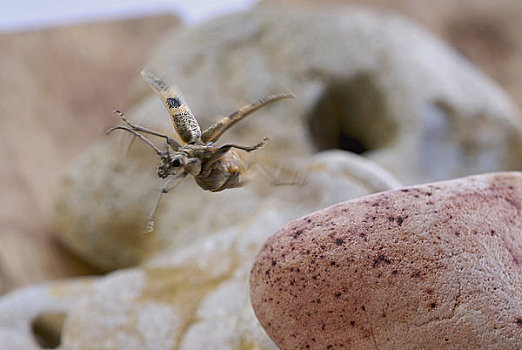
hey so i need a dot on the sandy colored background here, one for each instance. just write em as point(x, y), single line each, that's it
point(59, 86)
point(58, 89)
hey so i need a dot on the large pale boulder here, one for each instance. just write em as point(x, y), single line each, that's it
point(14, 341)
point(371, 83)
point(427, 267)
point(101, 206)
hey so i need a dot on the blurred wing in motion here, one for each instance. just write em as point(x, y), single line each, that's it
point(265, 173)
point(184, 121)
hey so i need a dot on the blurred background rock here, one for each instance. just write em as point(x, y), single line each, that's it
point(485, 32)
point(59, 85)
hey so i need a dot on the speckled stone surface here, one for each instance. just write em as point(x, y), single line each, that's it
point(427, 267)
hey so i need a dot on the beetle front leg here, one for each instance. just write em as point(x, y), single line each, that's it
point(224, 149)
point(164, 189)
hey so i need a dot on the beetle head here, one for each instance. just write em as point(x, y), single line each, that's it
point(175, 163)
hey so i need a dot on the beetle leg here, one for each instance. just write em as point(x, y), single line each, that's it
point(224, 149)
point(164, 189)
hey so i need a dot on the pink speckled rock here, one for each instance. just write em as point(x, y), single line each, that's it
point(427, 267)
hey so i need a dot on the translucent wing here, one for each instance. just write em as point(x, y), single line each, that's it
point(184, 121)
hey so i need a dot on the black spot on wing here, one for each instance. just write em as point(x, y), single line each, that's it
point(173, 102)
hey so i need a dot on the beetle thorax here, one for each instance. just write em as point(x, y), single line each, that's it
point(185, 160)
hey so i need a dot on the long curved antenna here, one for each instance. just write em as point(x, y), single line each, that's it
point(137, 134)
point(172, 143)
point(214, 132)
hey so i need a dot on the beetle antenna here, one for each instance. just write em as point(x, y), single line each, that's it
point(172, 143)
point(137, 134)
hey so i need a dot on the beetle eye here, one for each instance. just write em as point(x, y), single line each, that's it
point(176, 162)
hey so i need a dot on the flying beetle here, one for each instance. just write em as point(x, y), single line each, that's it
point(215, 168)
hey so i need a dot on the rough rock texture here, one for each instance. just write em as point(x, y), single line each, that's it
point(195, 295)
point(367, 82)
point(426, 267)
